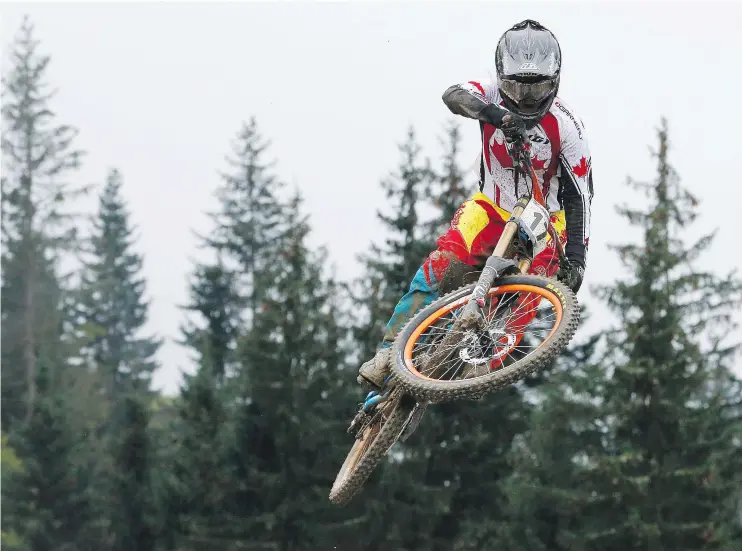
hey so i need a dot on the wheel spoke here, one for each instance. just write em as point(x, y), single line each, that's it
point(510, 318)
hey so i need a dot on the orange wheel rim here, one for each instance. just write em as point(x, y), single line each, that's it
point(432, 318)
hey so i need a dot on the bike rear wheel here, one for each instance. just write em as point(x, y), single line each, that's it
point(432, 362)
point(376, 438)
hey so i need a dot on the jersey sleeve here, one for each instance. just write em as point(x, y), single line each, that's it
point(576, 183)
point(470, 98)
point(480, 88)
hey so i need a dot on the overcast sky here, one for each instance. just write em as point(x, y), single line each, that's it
point(159, 90)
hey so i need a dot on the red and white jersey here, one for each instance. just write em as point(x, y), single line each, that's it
point(561, 159)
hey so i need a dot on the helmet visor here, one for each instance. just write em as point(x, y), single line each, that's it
point(529, 93)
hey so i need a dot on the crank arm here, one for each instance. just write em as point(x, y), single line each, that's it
point(359, 420)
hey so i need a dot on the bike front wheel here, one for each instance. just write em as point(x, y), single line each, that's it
point(527, 320)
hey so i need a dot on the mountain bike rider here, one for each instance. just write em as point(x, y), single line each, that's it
point(518, 105)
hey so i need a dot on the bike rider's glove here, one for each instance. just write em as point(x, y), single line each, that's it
point(514, 129)
point(572, 275)
point(511, 124)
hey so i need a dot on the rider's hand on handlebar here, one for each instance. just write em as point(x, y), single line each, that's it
point(514, 129)
point(517, 138)
point(571, 274)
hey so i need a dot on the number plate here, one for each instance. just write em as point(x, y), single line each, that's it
point(535, 223)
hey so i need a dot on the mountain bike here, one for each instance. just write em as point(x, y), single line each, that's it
point(475, 340)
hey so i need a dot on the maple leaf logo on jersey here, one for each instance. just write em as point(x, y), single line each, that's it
point(581, 168)
point(538, 164)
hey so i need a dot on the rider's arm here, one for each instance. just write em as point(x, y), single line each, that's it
point(577, 214)
point(576, 193)
point(474, 100)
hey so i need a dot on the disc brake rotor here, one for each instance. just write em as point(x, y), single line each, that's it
point(497, 343)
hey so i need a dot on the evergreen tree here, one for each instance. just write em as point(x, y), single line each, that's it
point(47, 503)
point(658, 465)
point(132, 505)
point(389, 267)
point(544, 490)
point(38, 155)
point(294, 402)
point(666, 411)
point(406, 248)
point(112, 307)
point(250, 213)
point(195, 486)
point(226, 296)
point(111, 312)
point(11, 467)
point(448, 188)
point(214, 298)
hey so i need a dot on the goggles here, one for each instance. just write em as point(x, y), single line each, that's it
point(519, 91)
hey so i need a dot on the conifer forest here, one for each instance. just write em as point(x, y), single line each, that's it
point(630, 440)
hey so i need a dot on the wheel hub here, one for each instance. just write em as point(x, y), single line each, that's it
point(480, 348)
